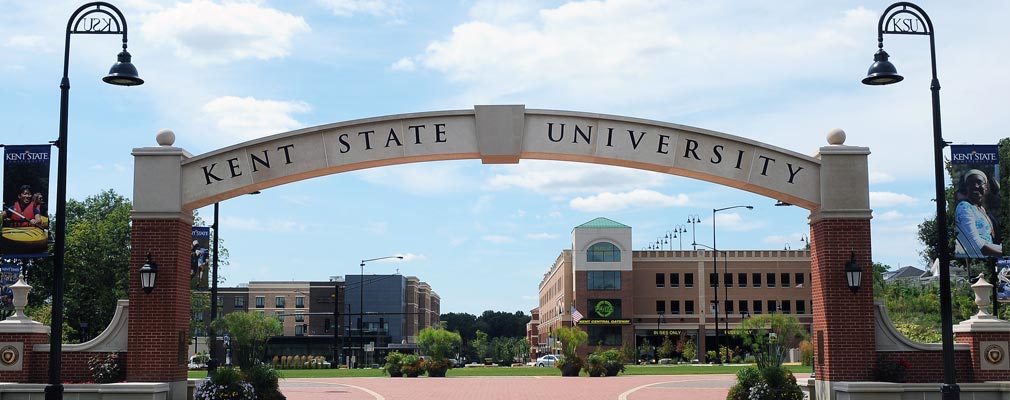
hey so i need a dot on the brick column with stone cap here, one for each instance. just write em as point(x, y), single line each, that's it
point(988, 339)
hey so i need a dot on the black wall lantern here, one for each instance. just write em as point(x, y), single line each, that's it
point(853, 273)
point(147, 274)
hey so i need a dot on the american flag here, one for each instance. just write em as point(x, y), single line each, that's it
point(576, 316)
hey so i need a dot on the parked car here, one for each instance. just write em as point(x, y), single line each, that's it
point(547, 360)
point(197, 362)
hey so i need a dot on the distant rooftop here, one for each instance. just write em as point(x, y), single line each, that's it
point(602, 223)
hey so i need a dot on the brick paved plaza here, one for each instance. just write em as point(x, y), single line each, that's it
point(645, 387)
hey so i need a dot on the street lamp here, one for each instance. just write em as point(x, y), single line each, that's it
point(677, 233)
point(715, 269)
point(693, 219)
point(904, 18)
point(92, 18)
point(361, 304)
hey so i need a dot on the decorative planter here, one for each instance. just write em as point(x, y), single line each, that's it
point(570, 369)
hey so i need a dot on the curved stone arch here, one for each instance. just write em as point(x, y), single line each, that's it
point(501, 134)
point(833, 184)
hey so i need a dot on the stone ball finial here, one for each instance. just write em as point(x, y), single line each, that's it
point(165, 137)
point(836, 137)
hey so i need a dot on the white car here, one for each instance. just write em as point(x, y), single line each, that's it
point(547, 360)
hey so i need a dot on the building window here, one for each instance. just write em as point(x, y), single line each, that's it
point(660, 307)
point(660, 280)
point(606, 335)
point(689, 307)
point(603, 280)
point(757, 306)
point(199, 317)
point(299, 302)
point(280, 317)
point(299, 330)
point(801, 307)
point(674, 306)
point(279, 302)
point(785, 306)
point(743, 306)
point(756, 278)
point(729, 307)
point(259, 301)
point(770, 280)
point(689, 280)
point(741, 279)
point(299, 317)
point(713, 280)
point(220, 301)
point(239, 302)
point(675, 280)
point(603, 252)
point(785, 280)
point(772, 307)
point(728, 279)
point(799, 279)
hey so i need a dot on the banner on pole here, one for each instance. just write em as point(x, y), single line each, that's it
point(25, 228)
point(199, 258)
point(975, 173)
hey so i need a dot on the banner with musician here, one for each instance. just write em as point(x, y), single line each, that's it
point(975, 173)
point(25, 228)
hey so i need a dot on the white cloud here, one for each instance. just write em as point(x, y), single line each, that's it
point(482, 204)
point(880, 177)
point(205, 32)
point(246, 118)
point(558, 178)
point(888, 216)
point(260, 225)
point(403, 64)
point(427, 179)
point(347, 8)
point(735, 222)
point(542, 236)
point(620, 201)
point(28, 42)
point(498, 239)
point(890, 199)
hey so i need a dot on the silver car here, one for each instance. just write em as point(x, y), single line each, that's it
point(547, 360)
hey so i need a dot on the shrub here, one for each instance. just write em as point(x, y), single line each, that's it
point(394, 362)
point(613, 362)
point(746, 378)
point(227, 383)
point(594, 365)
point(411, 367)
point(886, 370)
point(264, 380)
point(106, 368)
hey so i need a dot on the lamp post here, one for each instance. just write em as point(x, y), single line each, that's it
point(361, 304)
point(92, 18)
point(904, 18)
point(677, 233)
point(693, 219)
point(715, 269)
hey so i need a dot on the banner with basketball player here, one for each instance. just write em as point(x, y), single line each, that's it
point(975, 173)
point(199, 258)
point(25, 228)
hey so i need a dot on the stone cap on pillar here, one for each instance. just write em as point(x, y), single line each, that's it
point(157, 180)
point(845, 182)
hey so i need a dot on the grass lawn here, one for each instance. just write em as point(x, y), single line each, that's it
point(520, 371)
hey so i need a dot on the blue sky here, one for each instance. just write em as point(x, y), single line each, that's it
point(222, 72)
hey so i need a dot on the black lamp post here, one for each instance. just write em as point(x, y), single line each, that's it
point(693, 219)
point(904, 18)
point(361, 304)
point(92, 18)
point(715, 270)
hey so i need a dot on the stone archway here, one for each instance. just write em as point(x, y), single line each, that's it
point(169, 183)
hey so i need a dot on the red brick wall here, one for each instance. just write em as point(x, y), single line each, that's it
point(927, 366)
point(626, 294)
point(159, 321)
point(34, 366)
point(843, 319)
point(973, 368)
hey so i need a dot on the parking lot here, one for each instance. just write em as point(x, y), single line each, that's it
point(639, 387)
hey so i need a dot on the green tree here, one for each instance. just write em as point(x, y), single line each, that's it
point(667, 348)
point(438, 343)
point(480, 344)
point(249, 331)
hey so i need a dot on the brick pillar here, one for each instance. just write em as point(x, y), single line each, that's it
point(843, 336)
point(34, 365)
point(988, 339)
point(159, 321)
